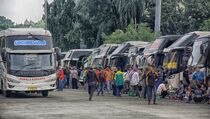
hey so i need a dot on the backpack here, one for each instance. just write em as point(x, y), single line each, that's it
point(151, 79)
point(101, 77)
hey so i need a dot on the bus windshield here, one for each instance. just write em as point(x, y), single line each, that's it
point(196, 57)
point(27, 62)
point(170, 60)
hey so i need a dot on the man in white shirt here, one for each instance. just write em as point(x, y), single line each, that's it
point(161, 90)
point(134, 82)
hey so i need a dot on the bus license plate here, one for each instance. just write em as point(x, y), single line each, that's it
point(32, 88)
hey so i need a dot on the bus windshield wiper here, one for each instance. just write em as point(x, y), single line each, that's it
point(35, 67)
point(34, 36)
point(24, 67)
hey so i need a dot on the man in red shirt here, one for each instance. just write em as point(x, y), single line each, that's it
point(61, 79)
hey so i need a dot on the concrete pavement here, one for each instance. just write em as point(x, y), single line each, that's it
point(74, 104)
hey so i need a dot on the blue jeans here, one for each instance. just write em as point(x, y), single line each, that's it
point(151, 93)
point(101, 88)
point(65, 81)
point(145, 92)
point(109, 85)
point(61, 82)
point(118, 90)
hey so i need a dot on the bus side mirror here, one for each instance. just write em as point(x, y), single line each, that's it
point(202, 49)
point(58, 53)
point(4, 55)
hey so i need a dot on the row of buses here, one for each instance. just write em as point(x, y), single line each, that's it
point(173, 52)
point(28, 58)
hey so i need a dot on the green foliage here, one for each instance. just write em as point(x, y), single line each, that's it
point(5, 23)
point(88, 19)
point(132, 33)
point(30, 24)
point(61, 16)
point(205, 26)
point(73, 22)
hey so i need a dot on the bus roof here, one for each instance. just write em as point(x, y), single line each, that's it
point(187, 38)
point(81, 50)
point(24, 31)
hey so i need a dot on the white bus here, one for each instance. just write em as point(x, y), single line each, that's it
point(27, 62)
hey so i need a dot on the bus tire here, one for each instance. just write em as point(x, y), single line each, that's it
point(7, 93)
point(44, 93)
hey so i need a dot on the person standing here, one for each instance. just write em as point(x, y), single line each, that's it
point(61, 79)
point(109, 77)
point(74, 74)
point(127, 80)
point(66, 77)
point(101, 83)
point(135, 82)
point(91, 80)
point(119, 81)
point(160, 76)
point(144, 77)
point(151, 88)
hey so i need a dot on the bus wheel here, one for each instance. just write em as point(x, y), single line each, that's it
point(44, 93)
point(7, 93)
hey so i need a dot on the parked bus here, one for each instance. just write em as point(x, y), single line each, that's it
point(119, 58)
point(27, 61)
point(104, 51)
point(135, 54)
point(201, 54)
point(155, 52)
point(177, 56)
point(75, 57)
point(88, 62)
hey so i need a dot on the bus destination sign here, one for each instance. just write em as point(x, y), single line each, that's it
point(30, 43)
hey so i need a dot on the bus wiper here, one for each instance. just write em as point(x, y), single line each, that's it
point(35, 67)
point(34, 36)
point(44, 70)
point(24, 67)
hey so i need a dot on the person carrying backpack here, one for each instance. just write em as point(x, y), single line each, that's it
point(151, 88)
point(91, 80)
point(101, 83)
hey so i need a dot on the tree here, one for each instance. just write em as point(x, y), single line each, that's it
point(5, 23)
point(205, 26)
point(132, 33)
point(60, 22)
point(89, 19)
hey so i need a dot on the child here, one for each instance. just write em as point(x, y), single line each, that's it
point(188, 95)
point(197, 94)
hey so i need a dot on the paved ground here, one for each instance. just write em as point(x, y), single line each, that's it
point(72, 104)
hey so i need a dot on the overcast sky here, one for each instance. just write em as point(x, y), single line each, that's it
point(19, 10)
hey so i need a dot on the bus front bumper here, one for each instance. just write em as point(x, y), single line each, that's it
point(31, 87)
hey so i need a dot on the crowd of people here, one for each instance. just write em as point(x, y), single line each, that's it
point(148, 83)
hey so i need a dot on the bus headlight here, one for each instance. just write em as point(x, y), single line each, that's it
point(12, 80)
